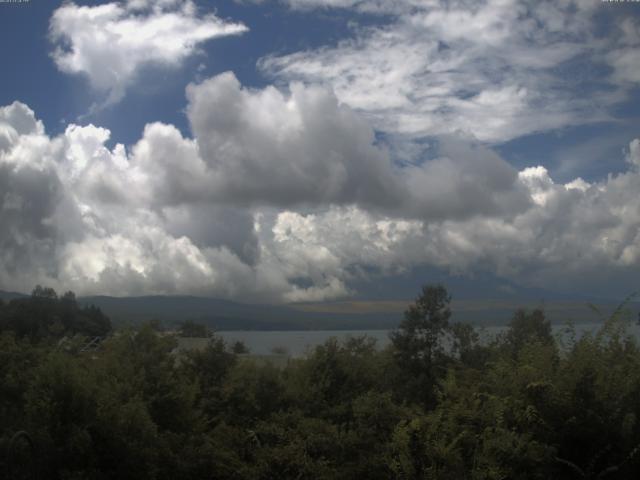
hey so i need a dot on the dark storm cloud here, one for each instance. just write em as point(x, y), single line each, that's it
point(263, 147)
point(28, 201)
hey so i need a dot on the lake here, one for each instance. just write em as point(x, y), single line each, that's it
point(297, 343)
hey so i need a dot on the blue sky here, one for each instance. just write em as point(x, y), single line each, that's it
point(309, 150)
point(274, 28)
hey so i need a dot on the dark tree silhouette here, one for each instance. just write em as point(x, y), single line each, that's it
point(418, 341)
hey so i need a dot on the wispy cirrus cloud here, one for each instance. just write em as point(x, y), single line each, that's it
point(624, 57)
point(493, 70)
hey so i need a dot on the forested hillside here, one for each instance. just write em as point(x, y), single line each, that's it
point(436, 404)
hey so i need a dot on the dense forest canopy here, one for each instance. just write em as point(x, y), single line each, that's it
point(44, 315)
point(435, 404)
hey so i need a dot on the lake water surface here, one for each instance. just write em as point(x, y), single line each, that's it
point(297, 343)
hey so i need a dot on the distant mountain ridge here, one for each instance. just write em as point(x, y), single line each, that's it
point(11, 295)
point(341, 315)
point(229, 315)
point(344, 315)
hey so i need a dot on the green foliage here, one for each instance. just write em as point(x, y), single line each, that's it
point(189, 328)
point(434, 405)
point(44, 316)
point(418, 346)
point(526, 328)
point(239, 347)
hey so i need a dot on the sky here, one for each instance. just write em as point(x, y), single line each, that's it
point(317, 150)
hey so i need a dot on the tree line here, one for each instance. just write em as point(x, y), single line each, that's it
point(435, 404)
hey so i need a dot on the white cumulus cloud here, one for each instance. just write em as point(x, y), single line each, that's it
point(111, 42)
point(173, 215)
